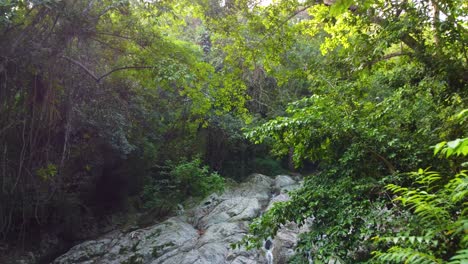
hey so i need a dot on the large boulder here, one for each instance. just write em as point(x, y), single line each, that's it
point(285, 183)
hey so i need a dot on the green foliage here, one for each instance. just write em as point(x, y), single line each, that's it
point(47, 172)
point(381, 94)
point(406, 255)
point(342, 214)
point(458, 147)
point(267, 166)
point(350, 209)
point(179, 181)
point(92, 94)
point(439, 202)
point(341, 125)
point(152, 195)
point(195, 179)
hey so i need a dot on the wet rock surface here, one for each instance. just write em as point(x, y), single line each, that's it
point(202, 234)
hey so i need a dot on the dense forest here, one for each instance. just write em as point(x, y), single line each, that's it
point(116, 108)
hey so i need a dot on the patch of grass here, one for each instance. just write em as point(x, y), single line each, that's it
point(134, 259)
point(123, 250)
point(157, 249)
point(156, 233)
point(134, 246)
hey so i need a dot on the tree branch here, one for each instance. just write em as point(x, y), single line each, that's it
point(79, 64)
point(122, 37)
point(387, 163)
point(389, 56)
point(297, 12)
point(396, 54)
point(411, 42)
point(99, 79)
point(121, 69)
point(114, 35)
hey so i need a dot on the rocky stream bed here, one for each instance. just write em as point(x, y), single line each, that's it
point(200, 235)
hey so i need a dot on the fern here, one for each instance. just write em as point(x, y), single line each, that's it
point(440, 205)
point(431, 207)
point(428, 239)
point(461, 257)
point(459, 186)
point(406, 255)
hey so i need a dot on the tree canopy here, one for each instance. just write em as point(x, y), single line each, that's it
point(111, 105)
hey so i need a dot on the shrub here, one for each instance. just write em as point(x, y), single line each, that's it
point(178, 181)
point(268, 166)
point(193, 179)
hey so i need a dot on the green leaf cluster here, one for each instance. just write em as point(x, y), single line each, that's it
point(178, 181)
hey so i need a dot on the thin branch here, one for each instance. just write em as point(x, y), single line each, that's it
point(387, 163)
point(107, 45)
point(6, 128)
point(389, 56)
point(99, 79)
point(52, 28)
point(88, 8)
point(396, 54)
point(107, 9)
point(261, 103)
point(122, 37)
point(297, 12)
point(114, 35)
point(410, 41)
point(121, 69)
point(79, 64)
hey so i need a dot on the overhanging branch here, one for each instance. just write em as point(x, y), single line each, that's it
point(79, 64)
point(100, 78)
point(121, 69)
point(294, 14)
point(389, 56)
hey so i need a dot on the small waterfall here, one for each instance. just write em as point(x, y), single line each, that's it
point(269, 257)
point(309, 257)
point(268, 246)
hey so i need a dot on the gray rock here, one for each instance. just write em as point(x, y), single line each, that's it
point(257, 186)
point(285, 242)
point(285, 183)
point(232, 210)
point(282, 197)
point(199, 235)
